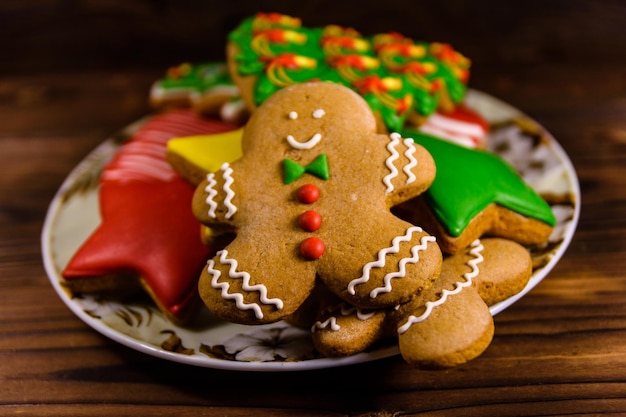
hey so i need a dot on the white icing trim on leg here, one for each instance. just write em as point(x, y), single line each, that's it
point(476, 252)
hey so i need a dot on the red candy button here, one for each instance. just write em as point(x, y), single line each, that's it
point(312, 248)
point(308, 193)
point(310, 221)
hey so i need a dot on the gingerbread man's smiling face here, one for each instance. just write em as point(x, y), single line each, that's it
point(303, 123)
point(314, 140)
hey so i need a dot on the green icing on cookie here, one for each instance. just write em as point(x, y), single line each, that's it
point(293, 170)
point(468, 180)
point(397, 76)
point(196, 77)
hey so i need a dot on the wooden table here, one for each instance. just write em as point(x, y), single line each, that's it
point(561, 350)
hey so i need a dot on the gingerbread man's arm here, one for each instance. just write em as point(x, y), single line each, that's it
point(410, 169)
point(215, 200)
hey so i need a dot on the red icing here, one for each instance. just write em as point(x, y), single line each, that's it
point(147, 224)
point(310, 221)
point(465, 114)
point(461, 125)
point(308, 194)
point(312, 248)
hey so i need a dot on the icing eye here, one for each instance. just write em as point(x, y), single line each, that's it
point(318, 114)
point(293, 115)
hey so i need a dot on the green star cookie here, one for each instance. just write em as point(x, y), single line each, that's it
point(471, 181)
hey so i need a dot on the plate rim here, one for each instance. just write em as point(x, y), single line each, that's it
point(100, 151)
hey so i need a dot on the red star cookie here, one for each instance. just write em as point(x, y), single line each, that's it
point(147, 229)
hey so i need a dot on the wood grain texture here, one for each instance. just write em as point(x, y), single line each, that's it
point(75, 72)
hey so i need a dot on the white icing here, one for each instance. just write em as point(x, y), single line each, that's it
point(245, 285)
point(211, 194)
point(345, 310)
point(394, 155)
point(140, 161)
point(458, 126)
point(462, 132)
point(331, 321)
point(380, 262)
point(401, 273)
point(228, 190)
point(476, 252)
point(223, 286)
point(318, 114)
point(293, 115)
point(391, 147)
point(232, 110)
point(412, 161)
point(315, 139)
point(465, 140)
point(159, 93)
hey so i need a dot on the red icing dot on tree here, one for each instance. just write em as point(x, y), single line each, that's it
point(310, 221)
point(308, 193)
point(312, 248)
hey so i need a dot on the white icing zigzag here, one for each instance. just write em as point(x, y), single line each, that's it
point(237, 297)
point(391, 147)
point(210, 199)
point(348, 310)
point(413, 162)
point(229, 192)
point(415, 250)
point(380, 262)
point(476, 252)
point(389, 162)
point(331, 321)
point(345, 310)
point(211, 194)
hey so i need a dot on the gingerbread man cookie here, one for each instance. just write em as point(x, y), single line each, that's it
point(311, 196)
point(445, 325)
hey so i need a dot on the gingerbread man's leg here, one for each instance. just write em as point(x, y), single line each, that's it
point(394, 261)
point(245, 290)
point(448, 324)
point(343, 329)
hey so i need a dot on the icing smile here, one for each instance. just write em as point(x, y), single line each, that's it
point(315, 139)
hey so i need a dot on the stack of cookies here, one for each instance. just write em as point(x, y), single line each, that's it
point(358, 199)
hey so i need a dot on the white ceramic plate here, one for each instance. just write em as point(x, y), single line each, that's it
point(73, 215)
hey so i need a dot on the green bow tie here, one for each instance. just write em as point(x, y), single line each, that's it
point(293, 170)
